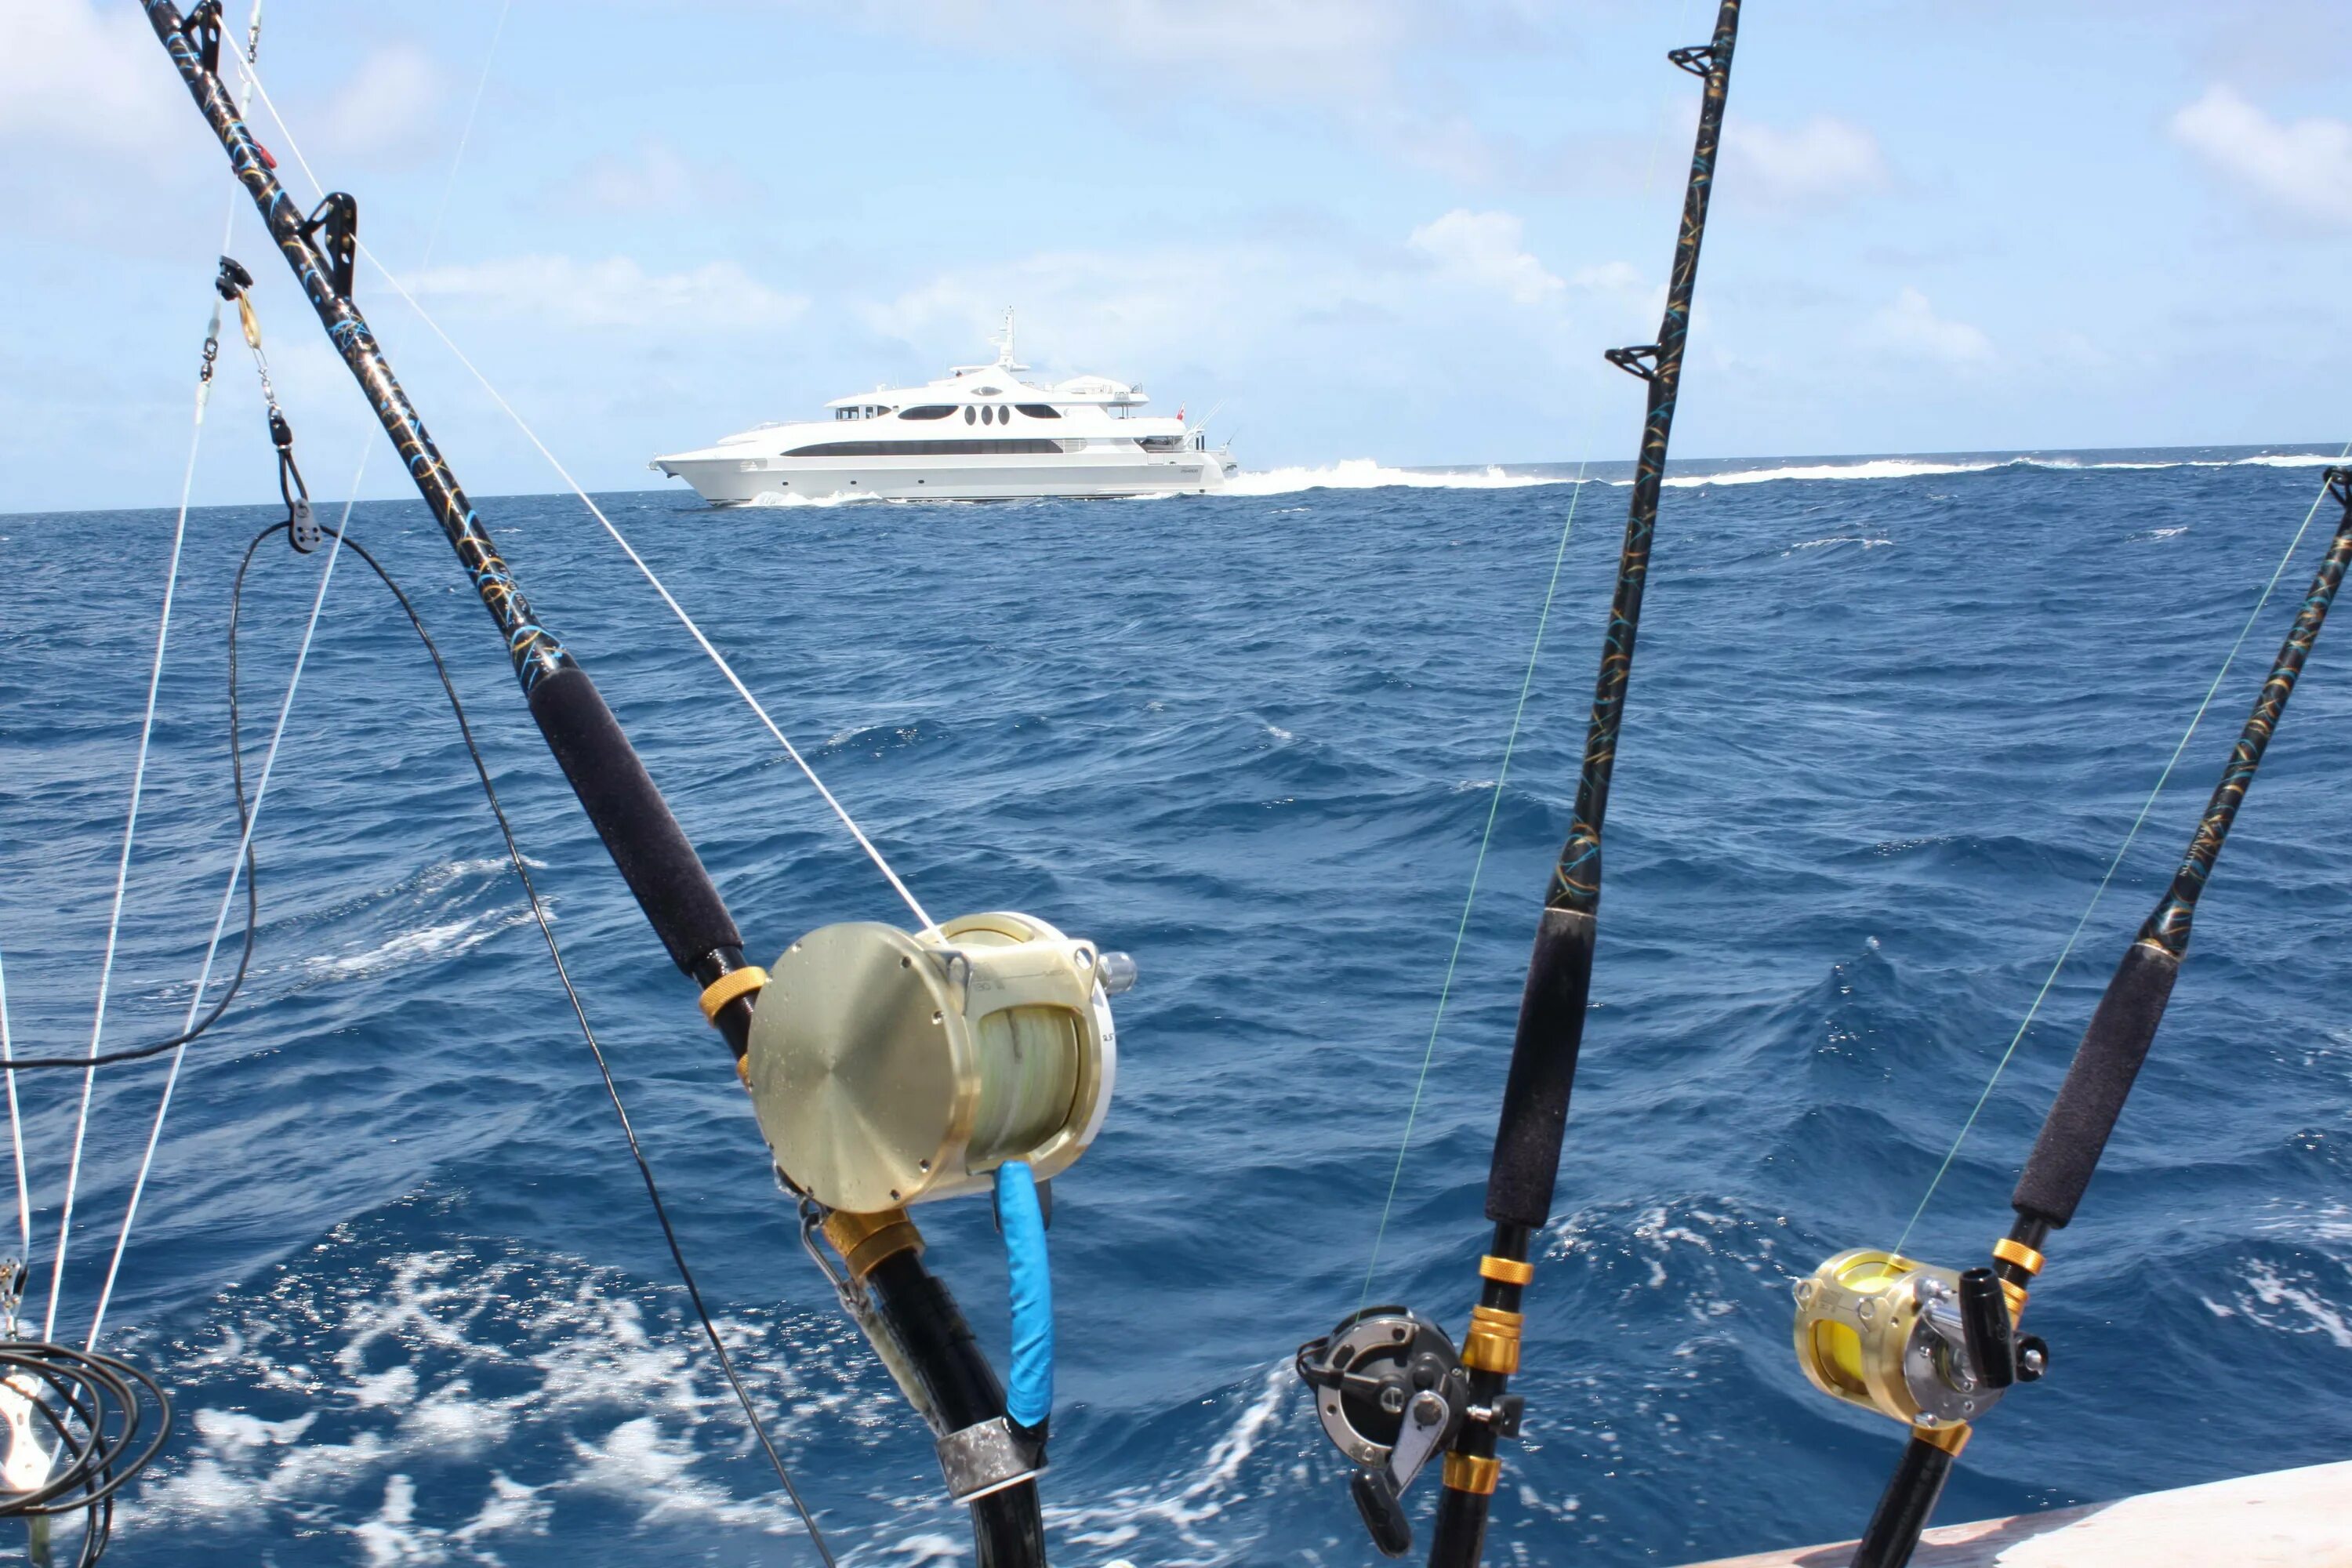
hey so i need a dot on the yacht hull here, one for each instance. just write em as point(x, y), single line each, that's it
point(741, 481)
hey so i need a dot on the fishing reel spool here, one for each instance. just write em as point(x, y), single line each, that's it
point(1931, 1347)
point(1393, 1393)
point(889, 1069)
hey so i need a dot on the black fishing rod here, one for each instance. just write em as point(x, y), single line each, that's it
point(1389, 1387)
point(929, 1347)
point(1937, 1350)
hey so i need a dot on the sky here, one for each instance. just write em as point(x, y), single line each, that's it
point(1395, 229)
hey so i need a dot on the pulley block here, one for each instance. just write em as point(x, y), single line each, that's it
point(889, 1067)
point(1392, 1391)
point(1927, 1346)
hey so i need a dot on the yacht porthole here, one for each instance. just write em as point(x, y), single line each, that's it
point(970, 415)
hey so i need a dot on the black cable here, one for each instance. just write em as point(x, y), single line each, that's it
point(252, 893)
point(94, 1408)
point(539, 913)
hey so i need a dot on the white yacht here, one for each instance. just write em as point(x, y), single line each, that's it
point(979, 433)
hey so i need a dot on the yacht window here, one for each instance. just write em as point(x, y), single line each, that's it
point(928, 411)
point(969, 413)
point(1040, 411)
point(970, 448)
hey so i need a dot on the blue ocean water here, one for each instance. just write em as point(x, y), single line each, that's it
point(1889, 722)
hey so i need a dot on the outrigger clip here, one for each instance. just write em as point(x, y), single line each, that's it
point(1393, 1393)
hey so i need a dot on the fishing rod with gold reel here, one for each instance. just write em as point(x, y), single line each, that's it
point(1936, 1349)
point(886, 1067)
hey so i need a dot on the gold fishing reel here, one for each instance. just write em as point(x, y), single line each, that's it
point(889, 1067)
point(1927, 1346)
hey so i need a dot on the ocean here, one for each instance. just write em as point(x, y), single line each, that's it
point(1891, 721)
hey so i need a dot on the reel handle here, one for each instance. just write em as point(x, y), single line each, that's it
point(1383, 1510)
point(1985, 1324)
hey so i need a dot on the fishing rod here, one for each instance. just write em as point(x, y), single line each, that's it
point(1391, 1389)
point(1936, 1349)
point(885, 1068)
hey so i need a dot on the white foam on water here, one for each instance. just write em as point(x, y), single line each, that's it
point(447, 939)
point(1865, 540)
point(1876, 469)
point(766, 499)
point(1364, 474)
point(548, 1374)
point(1128, 1514)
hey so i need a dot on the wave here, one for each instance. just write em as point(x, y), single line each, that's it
point(1364, 474)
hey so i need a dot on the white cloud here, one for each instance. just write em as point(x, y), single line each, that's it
point(1488, 250)
point(84, 75)
point(1910, 327)
point(1824, 161)
point(1363, 64)
point(653, 178)
point(391, 96)
point(2303, 168)
point(615, 292)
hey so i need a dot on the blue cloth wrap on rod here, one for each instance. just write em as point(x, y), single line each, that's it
point(1029, 1388)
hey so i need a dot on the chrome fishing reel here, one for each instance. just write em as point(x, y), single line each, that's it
point(1927, 1346)
point(889, 1067)
point(1392, 1391)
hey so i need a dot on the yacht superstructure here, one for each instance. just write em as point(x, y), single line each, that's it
point(979, 433)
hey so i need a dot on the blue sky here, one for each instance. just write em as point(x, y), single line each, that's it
point(1394, 229)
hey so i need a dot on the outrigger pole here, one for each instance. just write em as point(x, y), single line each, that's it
point(1939, 1350)
point(1390, 1388)
point(933, 1346)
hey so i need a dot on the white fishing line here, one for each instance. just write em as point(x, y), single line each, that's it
point(16, 1131)
point(2162, 778)
point(237, 867)
point(688, 621)
point(130, 832)
point(220, 922)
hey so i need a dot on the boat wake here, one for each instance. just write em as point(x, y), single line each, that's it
point(1364, 474)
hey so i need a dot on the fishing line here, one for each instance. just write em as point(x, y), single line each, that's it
point(596, 1048)
point(130, 827)
point(138, 768)
point(247, 823)
point(1493, 807)
point(2147, 805)
point(15, 1129)
point(694, 630)
point(1462, 930)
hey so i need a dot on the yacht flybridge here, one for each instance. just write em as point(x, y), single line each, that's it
point(979, 433)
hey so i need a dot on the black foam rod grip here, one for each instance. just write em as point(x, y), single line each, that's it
point(630, 815)
point(2075, 1132)
point(1543, 1072)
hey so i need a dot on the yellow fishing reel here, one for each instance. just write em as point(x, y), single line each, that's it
point(1926, 1346)
point(889, 1067)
